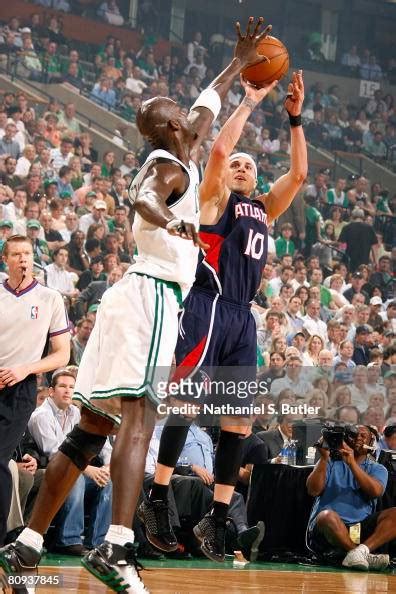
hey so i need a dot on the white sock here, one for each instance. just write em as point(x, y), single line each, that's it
point(119, 535)
point(31, 539)
point(362, 547)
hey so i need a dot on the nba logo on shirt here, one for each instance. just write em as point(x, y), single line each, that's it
point(34, 312)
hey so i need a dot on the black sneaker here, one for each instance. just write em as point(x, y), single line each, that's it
point(116, 566)
point(159, 532)
point(21, 559)
point(18, 558)
point(249, 540)
point(211, 534)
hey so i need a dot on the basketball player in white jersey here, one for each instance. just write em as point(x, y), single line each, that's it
point(136, 330)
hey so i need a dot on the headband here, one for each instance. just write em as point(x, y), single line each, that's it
point(245, 156)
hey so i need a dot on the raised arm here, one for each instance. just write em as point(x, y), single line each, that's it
point(286, 187)
point(245, 54)
point(213, 184)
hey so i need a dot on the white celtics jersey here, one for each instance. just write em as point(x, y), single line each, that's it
point(159, 254)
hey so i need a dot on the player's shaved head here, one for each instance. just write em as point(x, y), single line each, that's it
point(153, 117)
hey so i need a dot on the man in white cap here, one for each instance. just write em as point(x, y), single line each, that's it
point(375, 319)
point(98, 215)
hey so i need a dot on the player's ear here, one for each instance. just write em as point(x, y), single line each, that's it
point(174, 125)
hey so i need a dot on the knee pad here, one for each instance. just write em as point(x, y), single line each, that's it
point(81, 447)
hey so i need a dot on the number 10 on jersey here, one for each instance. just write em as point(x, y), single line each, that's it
point(255, 245)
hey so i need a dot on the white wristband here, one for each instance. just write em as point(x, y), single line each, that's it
point(210, 99)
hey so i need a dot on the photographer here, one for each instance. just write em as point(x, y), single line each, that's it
point(343, 514)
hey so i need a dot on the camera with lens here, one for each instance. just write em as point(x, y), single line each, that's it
point(334, 435)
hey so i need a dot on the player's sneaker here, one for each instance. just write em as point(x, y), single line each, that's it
point(378, 561)
point(357, 558)
point(249, 540)
point(117, 567)
point(211, 534)
point(155, 517)
point(21, 559)
point(18, 558)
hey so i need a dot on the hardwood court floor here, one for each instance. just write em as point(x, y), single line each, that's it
point(203, 577)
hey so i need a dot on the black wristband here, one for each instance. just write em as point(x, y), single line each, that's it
point(295, 120)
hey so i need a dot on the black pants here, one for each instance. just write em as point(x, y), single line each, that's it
point(16, 406)
point(193, 498)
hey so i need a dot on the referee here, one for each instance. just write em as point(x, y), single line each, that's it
point(29, 314)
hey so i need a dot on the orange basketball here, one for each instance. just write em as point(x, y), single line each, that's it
point(266, 72)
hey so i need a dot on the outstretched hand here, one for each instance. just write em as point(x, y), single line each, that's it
point(295, 94)
point(255, 94)
point(246, 46)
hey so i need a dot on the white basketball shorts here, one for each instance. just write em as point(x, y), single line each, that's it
point(131, 347)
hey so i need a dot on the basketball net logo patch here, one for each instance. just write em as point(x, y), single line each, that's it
point(34, 312)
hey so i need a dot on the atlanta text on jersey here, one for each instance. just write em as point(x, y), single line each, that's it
point(249, 210)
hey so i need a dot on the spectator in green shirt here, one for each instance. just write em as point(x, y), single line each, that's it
point(51, 64)
point(383, 204)
point(265, 177)
point(108, 164)
point(41, 252)
point(284, 244)
point(313, 223)
point(73, 58)
point(316, 280)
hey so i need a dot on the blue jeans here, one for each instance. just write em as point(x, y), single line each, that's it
point(86, 498)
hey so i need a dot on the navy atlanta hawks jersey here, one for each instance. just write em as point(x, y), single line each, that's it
point(233, 264)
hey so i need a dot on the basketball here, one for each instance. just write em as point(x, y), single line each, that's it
point(266, 72)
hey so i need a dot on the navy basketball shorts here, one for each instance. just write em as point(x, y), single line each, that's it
point(216, 357)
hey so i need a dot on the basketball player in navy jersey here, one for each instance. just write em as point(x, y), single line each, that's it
point(117, 369)
point(217, 328)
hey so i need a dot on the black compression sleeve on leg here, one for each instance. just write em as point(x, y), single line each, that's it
point(173, 439)
point(81, 446)
point(228, 458)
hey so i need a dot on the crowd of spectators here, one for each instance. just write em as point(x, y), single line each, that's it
point(363, 127)
point(120, 79)
point(365, 65)
point(326, 308)
point(358, 62)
